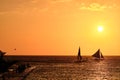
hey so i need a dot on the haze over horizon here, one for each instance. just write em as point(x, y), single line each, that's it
point(59, 27)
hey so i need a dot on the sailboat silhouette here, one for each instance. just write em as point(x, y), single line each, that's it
point(98, 55)
point(79, 57)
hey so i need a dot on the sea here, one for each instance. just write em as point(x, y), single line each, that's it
point(66, 67)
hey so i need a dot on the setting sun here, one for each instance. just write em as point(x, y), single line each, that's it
point(100, 28)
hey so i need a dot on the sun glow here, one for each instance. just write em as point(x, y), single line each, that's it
point(100, 28)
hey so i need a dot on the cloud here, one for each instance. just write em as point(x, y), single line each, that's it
point(38, 6)
point(34, 1)
point(96, 7)
point(60, 1)
point(24, 7)
point(92, 7)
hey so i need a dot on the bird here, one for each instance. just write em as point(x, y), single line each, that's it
point(15, 49)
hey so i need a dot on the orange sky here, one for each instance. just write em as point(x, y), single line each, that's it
point(59, 27)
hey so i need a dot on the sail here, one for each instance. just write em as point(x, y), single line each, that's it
point(79, 54)
point(98, 54)
point(102, 56)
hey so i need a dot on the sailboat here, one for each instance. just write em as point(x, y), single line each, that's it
point(79, 57)
point(98, 55)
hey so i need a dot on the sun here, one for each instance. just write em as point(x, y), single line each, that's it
point(100, 28)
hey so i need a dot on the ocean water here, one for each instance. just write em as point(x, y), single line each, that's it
point(64, 68)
